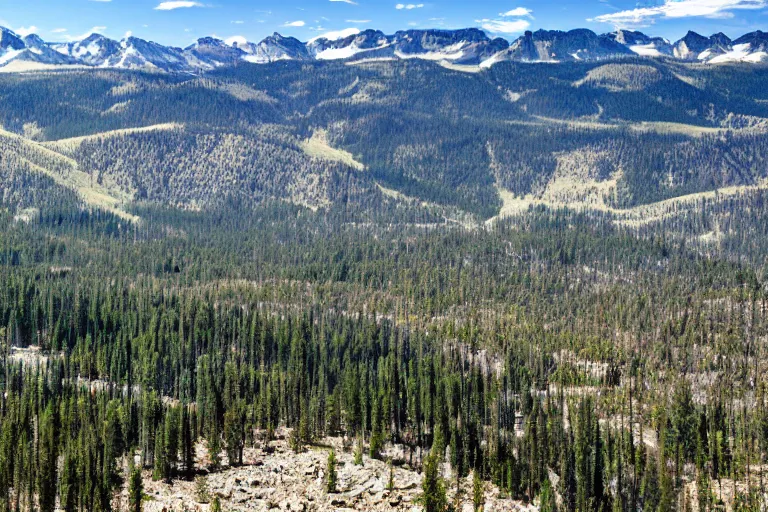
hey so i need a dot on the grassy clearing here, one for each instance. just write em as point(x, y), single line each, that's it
point(513, 205)
point(72, 144)
point(460, 67)
point(318, 147)
point(69, 175)
point(676, 128)
point(690, 130)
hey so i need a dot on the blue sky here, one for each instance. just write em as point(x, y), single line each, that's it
point(180, 22)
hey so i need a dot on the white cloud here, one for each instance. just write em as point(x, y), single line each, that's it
point(94, 30)
point(408, 7)
point(298, 23)
point(337, 34)
point(678, 9)
point(239, 40)
point(350, 2)
point(358, 21)
point(517, 12)
point(504, 26)
point(128, 34)
point(177, 4)
point(238, 22)
point(25, 31)
point(58, 31)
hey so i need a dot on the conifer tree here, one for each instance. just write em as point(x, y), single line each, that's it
point(47, 463)
point(331, 472)
point(135, 490)
point(433, 496)
point(547, 501)
point(233, 433)
point(478, 491)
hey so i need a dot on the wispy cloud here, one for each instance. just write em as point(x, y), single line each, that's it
point(672, 9)
point(297, 23)
point(350, 2)
point(408, 7)
point(504, 26)
point(518, 12)
point(358, 21)
point(177, 4)
point(58, 31)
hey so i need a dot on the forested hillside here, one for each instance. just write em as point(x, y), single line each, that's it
point(638, 131)
point(552, 279)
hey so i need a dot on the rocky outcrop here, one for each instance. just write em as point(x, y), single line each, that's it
point(278, 479)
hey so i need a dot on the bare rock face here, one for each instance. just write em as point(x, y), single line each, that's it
point(280, 480)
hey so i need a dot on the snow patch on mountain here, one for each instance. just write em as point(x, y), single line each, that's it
point(646, 50)
point(740, 53)
point(9, 55)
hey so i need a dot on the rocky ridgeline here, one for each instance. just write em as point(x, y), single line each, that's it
point(280, 480)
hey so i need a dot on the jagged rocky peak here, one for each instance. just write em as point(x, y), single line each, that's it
point(424, 41)
point(349, 45)
point(467, 46)
point(629, 37)
point(757, 39)
point(718, 48)
point(141, 54)
point(94, 50)
point(560, 46)
point(694, 46)
point(642, 44)
point(273, 48)
point(34, 41)
point(214, 52)
point(9, 40)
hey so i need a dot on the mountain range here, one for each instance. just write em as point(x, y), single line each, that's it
point(471, 47)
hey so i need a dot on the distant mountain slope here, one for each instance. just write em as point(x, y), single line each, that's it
point(616, 132)
point(467, 47)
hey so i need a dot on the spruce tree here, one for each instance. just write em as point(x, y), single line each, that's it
point(135, 490)
point(478, 491)
point(331, 472)
point(46, 483)
point(433, 496)
point(547, 500)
